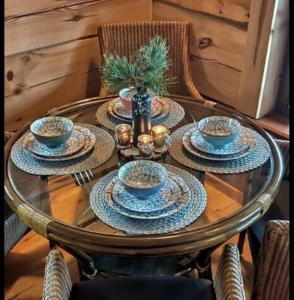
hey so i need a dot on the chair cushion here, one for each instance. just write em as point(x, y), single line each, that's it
point(144, 288)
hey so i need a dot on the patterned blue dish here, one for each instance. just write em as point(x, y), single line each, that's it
point(163, 199)
point(239, 145)
point(219, 130)
point(71, 146)
point(194, 208)
point(142, 178)
point(179, 200)
point(218, 157)
point(52, 131)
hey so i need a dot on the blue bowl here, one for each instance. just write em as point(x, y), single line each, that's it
point(142, 178)
point(52, 131)
point(219, 130)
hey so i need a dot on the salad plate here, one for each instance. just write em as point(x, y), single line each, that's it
point(240, 144)
point(187, 144)
point(89, 143)
point(71, 146)
point(178, 200)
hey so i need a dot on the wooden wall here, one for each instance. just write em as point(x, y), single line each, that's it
point(51, 51)
point(52, 57)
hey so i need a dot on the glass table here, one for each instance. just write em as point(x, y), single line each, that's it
point(71, 224)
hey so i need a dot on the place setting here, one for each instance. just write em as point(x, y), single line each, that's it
point(57, 146)
point(219, 144)
point(144, 197)
point(164, 111)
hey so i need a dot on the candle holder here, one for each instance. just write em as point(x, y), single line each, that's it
point(145, 144)
point(160, 136)
point(123, 135)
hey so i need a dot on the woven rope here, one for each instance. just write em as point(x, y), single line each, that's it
point(57, 282)
point(125, 39)
point(272, 278)
point(228, 282)
point(284, 147)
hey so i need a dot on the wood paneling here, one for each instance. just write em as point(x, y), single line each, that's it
point(32, 102)
point(69, 23)
point(227, 40)
point(236, 10)
point(24, 71)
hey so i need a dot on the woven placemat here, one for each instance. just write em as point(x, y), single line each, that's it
point(175, 115)
point(256, 158)
point(102, 151)
point(193, 209)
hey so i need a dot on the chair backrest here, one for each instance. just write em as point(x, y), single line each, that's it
point(125, 39)
point(272, 277)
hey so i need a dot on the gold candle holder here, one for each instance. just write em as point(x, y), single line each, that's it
point(123, 133)
point(145, 144)
point(159, 134)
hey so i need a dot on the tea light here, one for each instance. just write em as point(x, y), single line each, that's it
point(145, 144)
point(123, 134)
point(159, 134)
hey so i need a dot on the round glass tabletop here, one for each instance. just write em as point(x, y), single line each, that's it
point(60, 210)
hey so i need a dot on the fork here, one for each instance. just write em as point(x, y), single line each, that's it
point(82, 177)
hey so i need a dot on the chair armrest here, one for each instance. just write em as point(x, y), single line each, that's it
point(228, 281)
point(57, 282)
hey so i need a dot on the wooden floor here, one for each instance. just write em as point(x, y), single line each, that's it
point(24, 265)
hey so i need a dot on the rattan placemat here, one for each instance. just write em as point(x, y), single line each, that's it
point(175, 115)
point(256, 158)
point(194, 208)
point(102, 151)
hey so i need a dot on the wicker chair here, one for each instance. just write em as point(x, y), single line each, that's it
point(279, 210)
point(228, 283)
point(126, 38)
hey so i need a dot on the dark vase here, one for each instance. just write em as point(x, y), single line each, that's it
point(141, 114)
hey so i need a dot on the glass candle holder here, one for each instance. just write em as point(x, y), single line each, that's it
point(123, 133)
point(145, 144)
point(159, 134)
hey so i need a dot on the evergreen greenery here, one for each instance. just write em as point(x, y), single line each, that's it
point(145, 71)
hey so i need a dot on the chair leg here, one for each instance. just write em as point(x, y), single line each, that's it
point(241, 241)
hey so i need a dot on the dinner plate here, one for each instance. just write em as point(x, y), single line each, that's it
point(178, 198)
point(71, 146)
point(186, 140)
point(90, 141)
point(120, 110)
point(164, 111)
point(240, 144)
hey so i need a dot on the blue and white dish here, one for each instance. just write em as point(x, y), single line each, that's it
point(246, 138)
point(71, 146)
point(194, 208)
point(142, 177)
point(161, 200)
point(219, 130)
point(52, 131)
point(179, 200)
point(239, 145)
point(89, 143)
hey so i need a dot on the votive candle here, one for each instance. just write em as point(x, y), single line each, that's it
point(123, 134)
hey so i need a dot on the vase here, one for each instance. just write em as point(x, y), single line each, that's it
point(141, 114)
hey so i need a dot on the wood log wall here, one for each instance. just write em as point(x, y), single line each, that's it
point(52, 57)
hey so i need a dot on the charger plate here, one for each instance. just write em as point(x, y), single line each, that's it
point(161, 200)
point(75, 143)
point(240, 144)
point(194, 208)
point(174, 115)
point(180, 200)
point(250, 145)
point(92, 159)
point(258, 156)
